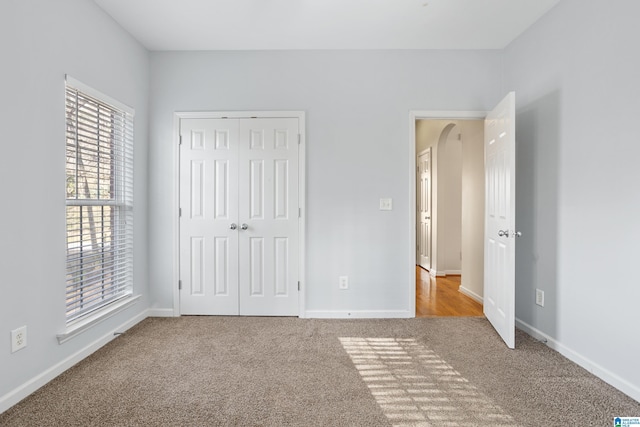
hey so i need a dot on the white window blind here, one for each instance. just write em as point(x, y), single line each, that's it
point(99, 201)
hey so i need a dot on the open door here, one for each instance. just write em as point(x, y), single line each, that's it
point(500, 209)
point(424, 209)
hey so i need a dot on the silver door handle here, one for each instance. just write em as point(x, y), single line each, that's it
point(233, 226)
point(244, 226)
point(505, 233)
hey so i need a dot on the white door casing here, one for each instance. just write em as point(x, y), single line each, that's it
point(239, 224)
point(424, 209)
point(499, 265)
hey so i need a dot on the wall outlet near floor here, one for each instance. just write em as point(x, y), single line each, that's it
point(386, 204)
point(343, 282)
point(18, 339)
point(540, 297)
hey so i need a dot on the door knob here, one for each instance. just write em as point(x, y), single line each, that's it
point(233, 226)
point(505, 233)
point(244, 226)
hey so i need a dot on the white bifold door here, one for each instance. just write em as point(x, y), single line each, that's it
point(500, 209)
point(239, 216)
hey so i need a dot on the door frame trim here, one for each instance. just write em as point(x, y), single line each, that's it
point(302, 186)
point(427, 115)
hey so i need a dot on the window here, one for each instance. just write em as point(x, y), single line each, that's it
point(99, 200)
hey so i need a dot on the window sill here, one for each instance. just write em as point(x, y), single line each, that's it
point(81, 325)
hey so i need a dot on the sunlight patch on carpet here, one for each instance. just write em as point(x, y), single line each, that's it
point(415, 387)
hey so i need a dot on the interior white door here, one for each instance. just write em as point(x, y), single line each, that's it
point(424, 209)
point(269, 217)
point(209, 213)
point(500, 192)
point(239, 218)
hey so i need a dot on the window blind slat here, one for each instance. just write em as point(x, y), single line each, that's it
point(81, 296)
point(87, 295)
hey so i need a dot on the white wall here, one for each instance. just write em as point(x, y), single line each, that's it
point(357, 105)
point(40, 41)
point(472, 208)
point(449, 212)
point(575, 74)
point(428, 133)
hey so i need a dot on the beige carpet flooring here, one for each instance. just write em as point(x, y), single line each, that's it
point(237, 371)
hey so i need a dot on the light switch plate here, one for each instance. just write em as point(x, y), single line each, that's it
point(386, 204)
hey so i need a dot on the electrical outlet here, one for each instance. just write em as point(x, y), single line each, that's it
point(18, 339)
point(343, 282)
point(540, 297)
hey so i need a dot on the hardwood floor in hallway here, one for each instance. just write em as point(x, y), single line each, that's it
point(440, 297)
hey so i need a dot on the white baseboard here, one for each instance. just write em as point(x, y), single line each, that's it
point(16, 395)
point(605, 375)
point(471, 294)
point(161, 312)
point(358, 314)
point(444, 273)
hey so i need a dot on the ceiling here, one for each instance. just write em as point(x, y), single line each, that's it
point(325, 24)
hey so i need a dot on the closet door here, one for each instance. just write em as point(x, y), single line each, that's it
point(239, 216)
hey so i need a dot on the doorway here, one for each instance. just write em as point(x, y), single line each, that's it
point(453, 277)
point(498, 213)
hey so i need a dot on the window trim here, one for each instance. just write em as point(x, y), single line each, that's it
point(88, 90)
point(74, 326)
point(83, 323)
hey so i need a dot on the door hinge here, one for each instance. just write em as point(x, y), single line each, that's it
point(179, 212)
point(180, 140)
point(299, 139)
point(179, 284)
point(299, 212)
point(298, 285)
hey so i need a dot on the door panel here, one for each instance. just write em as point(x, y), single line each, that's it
point(499, 282)
point(424, 209)
point(209, 204)
point(269, 175)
